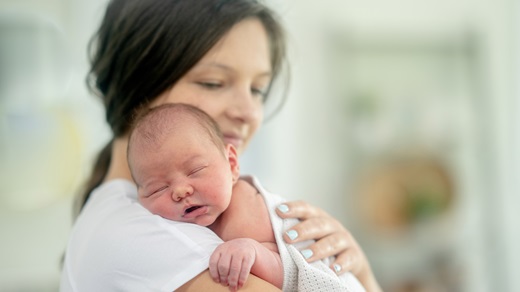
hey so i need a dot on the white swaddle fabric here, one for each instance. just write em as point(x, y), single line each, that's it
point(299, 275)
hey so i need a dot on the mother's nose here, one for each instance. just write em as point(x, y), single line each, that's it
point(245, 106)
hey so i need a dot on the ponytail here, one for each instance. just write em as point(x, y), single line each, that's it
point(96, 178)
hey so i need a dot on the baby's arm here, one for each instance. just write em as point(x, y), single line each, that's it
point(232, 261)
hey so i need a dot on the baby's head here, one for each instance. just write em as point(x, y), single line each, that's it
point(182, 168)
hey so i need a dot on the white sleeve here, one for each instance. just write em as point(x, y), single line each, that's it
point(117, 245)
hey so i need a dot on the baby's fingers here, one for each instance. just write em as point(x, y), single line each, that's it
point(246, 269)
point(239, 271)
point(213, 266)
point(219, 266)
point(223, 270)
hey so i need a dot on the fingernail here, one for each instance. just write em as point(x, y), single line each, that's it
point(292, 234)
point(337, 268)
point(283, 208)
point(307, 253)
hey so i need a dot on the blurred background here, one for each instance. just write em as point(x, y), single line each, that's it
point(401, 121)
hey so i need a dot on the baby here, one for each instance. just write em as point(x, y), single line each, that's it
point(185, 172)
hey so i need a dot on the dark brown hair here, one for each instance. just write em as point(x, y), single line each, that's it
point(144, 46)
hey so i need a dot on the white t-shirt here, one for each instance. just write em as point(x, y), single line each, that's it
point(118, 245)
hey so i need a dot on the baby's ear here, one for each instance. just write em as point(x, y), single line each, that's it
point(233, 161)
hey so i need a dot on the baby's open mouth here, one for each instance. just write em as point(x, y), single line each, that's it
point(191, 209)
point(195, 211)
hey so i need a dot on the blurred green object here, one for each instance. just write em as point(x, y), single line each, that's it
point(425, 203)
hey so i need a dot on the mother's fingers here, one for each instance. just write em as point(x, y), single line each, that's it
point(348, 255)
point(300, 210)
point(330, 245)
point(314, 228)
point(331, 239)
point(348, 261)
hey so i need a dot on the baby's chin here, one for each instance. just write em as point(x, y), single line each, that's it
point(206, 222)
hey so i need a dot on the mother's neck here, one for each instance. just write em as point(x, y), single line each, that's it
point(118, 168)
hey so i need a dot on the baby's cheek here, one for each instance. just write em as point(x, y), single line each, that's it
point(153, 206)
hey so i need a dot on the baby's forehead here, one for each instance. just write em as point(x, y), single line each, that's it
point(168, 120)
point(179, 128)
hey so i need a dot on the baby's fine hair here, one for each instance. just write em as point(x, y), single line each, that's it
point(154, 125)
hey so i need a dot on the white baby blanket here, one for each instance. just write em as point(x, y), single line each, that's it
point(299, 275)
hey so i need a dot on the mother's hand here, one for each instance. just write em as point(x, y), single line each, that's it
point(332, 239)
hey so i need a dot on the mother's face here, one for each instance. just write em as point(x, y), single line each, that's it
point(229, 82)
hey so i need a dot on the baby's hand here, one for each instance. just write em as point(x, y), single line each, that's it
point(231, 262)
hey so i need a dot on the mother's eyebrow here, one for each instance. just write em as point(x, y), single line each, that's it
point(266, 73)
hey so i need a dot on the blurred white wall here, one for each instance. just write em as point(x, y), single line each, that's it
point(302, 153)
point(49, 129)
point(309, 153)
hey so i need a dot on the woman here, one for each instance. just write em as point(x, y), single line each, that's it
point(221, 56)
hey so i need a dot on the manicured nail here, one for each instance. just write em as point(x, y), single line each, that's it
point(307, 253)
point(337, 268)
point(292, 234)
point(283, 208)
